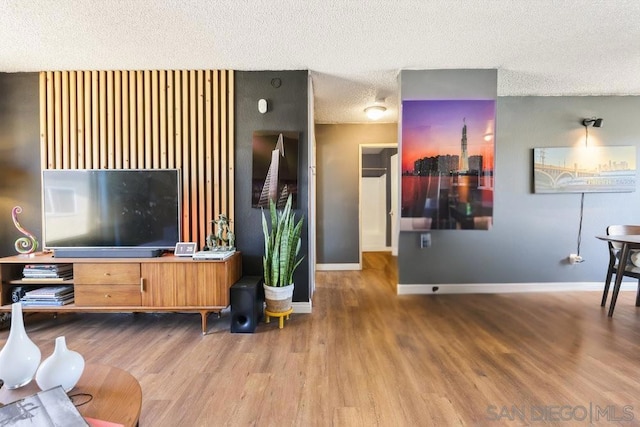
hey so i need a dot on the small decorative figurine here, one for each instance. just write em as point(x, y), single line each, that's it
point(211, 242)
point(232, 239)
point(24, 245)
point(223, 239)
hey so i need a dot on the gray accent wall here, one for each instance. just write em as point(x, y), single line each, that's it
point(533, 234)
point(448, 84)
point(287, 112)
point(337, 176)
point(19, 157)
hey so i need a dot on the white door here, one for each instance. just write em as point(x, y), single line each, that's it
point(374, 224)
point(363, 212)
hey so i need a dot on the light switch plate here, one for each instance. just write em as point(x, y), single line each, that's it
point(425, 240)
point(262, 106)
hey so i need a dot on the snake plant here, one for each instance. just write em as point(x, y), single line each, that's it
point(281, 245)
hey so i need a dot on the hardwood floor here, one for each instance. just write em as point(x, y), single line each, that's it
point(367, 357)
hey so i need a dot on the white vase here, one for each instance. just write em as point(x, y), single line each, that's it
point(20, 357)
point(278, 298)
point(63, 368)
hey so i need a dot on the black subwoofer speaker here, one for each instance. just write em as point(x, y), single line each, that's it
point(247, 304)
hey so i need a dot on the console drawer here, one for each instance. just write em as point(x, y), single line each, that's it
point(107, 274)
point(107, 295)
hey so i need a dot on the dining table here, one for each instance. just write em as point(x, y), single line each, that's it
point(628, 242)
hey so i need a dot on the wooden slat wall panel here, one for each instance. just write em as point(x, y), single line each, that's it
point(57, 117)
point(230, 147)
point(140, 94)
point(216, 140)
point(117, 115)
point(43, 120)
point(86, 157)
point(193, 150)
point(143, 120)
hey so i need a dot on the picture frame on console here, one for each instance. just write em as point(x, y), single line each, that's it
point(185, 249)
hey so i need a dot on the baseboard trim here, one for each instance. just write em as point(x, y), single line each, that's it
point(338, 267)
point(499, 288)
point(377, 249)
point(302, 307)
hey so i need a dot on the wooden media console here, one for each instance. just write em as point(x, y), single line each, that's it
point(165, 283)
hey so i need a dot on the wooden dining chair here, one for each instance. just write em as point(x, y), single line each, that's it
point(614, 249)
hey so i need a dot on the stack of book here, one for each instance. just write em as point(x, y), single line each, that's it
point(50, 295)
point(216, 254)
point(46, 272)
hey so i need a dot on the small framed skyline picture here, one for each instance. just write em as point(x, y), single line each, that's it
point(598, 169)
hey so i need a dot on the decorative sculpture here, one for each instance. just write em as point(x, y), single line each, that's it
point(63, 368)
point(27, 244)
point(223, 239)
point(20, 357)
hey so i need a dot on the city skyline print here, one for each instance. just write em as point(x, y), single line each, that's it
point(448, 154)
point(592, 169)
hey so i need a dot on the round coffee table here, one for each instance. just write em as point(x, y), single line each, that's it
point(116, 395)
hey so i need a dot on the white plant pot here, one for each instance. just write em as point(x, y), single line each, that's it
point(278, 298)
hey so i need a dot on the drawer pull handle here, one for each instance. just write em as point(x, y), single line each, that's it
point(107, 296)
point(107, 274)
point(142, 284)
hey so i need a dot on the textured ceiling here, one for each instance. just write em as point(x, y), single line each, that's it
point(353, 49)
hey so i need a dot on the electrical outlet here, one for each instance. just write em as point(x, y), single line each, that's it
point(574, 259)
point(425, 240)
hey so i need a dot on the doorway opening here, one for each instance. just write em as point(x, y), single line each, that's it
point(378, 198)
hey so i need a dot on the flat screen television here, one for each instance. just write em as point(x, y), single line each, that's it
point(111, 213)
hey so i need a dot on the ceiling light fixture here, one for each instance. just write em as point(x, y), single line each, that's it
point(374, 112)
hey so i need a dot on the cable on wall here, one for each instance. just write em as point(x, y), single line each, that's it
point(595, 122)
point(580, 227)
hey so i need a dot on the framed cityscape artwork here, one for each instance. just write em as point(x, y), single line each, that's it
point(447, 164)
point(597, 169)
